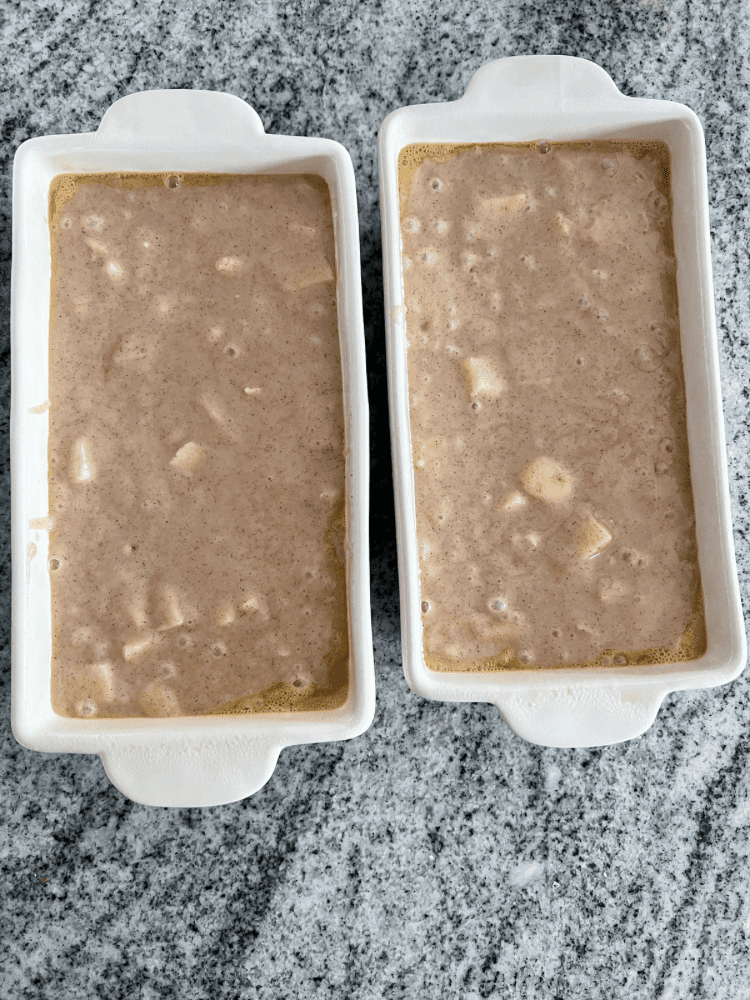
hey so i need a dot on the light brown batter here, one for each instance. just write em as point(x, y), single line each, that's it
point(196, 446)
point(554, 507)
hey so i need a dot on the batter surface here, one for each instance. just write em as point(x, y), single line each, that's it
point(554, 506)
point(196, 446)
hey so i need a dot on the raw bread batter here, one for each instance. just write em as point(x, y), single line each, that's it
point(196, 446)
point(554, 507)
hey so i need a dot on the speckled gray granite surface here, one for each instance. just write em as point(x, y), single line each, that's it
point(438, 855)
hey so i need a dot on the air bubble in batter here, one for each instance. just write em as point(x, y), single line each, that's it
point(429, 256)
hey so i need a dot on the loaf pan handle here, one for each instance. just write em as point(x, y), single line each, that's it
point(563, 82)
point(165, 117)
point(211, 773)
point(581, 716)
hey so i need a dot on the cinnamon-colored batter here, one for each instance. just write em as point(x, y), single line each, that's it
point(554, 506)
point(196, 446)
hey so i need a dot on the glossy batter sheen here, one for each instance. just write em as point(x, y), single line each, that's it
point(196, 446)
point(554, 507)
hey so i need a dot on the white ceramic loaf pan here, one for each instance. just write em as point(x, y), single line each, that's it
point(190, 761)
point(564, 98)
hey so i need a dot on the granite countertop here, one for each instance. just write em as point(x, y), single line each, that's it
point(438, 855)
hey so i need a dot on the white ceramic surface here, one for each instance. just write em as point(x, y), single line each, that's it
point(191, 761)
point(563, 98)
